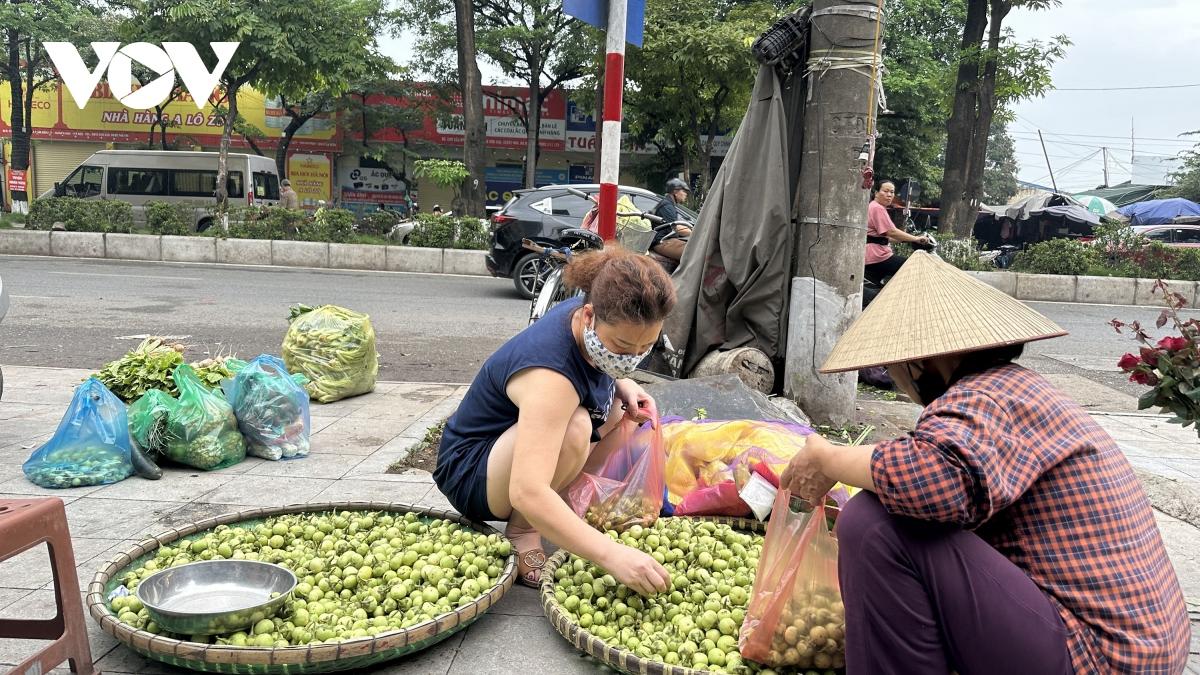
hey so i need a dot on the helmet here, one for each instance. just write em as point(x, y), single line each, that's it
point(677, 184)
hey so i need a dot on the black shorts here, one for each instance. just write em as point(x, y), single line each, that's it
point(466, 485)
point(883, 269)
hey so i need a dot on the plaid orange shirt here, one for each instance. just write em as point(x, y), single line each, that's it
point(1007, 455)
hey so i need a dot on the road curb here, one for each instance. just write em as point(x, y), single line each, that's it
point(275, 253)
point(1084, 290)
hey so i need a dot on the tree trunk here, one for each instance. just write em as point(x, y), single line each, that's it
point(285, 141)
point(533, 119)
point(20, 121)
point(470, 82)
point(706, 170)
point(956, 217)
point(987, 106)
point(223, 154)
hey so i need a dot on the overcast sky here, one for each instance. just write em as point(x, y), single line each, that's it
point(1116, 43)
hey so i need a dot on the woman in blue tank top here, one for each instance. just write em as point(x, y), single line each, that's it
point(537, 415)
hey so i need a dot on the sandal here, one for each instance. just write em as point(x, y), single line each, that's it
point(533, 561)
point(530, 556)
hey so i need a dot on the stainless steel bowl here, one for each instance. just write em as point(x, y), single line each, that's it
point(215, 596)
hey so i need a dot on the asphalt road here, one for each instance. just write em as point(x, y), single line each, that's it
point(81, 313)
point(430, 328)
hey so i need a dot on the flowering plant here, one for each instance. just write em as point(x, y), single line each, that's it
point(1171, 366)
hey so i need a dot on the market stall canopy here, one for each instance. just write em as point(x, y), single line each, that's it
point(1125, 193)
point(1159, 211)
point(1023, 209)
point(1072, 212)
point(1097, 205)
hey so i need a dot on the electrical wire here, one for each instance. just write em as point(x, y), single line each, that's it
point(1153, 86)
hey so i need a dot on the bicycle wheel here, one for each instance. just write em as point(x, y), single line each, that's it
point(549, 295)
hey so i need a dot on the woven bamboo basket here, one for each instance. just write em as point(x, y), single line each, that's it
point(349, 655)
point(620, 659)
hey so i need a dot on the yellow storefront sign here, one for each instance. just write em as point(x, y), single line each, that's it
point(311, 177)
point(105, 119)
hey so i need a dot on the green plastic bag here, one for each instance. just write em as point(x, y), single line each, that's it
point(201, 429)
point(334, 348)
point(148, 420)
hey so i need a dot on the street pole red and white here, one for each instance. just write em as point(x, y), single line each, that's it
point(610, 133)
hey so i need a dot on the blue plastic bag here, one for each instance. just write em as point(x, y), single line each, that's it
point(91, 445)
point(272, 409)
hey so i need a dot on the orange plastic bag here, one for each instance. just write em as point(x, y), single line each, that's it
point(796, 618)
point(628, 488)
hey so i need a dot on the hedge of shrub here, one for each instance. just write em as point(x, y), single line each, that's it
point(433, 231)
point(80, 215)
point(1114, 253)
point(256, 222)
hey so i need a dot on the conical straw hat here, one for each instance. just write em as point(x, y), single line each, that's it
point(931, 308)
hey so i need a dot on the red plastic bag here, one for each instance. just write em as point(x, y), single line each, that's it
point(628, 488)
point(721, 499)
point(796, 618)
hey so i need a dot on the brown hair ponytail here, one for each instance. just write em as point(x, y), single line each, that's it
point(621, 286)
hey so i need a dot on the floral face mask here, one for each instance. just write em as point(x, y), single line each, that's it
point(616, 366)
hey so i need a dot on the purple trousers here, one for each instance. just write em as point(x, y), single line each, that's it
point(928, 599)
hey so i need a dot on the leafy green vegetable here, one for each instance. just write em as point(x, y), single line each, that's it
point(146, 367)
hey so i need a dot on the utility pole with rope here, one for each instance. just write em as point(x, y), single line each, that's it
point(843, 70)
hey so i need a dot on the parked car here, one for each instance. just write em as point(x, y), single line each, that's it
point(175, 177)
point(1181, 235)
point(541, 214)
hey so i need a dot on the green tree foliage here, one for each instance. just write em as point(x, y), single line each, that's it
point(1187, 178)
point(25, 67)
point(920, 53)
point(692, 78)
point(1000, 172)
point(287, 49)
point(531, 41)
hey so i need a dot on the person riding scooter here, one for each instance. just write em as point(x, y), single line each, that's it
point(677, 193)
point(882, 262)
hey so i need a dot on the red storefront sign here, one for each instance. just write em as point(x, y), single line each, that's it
point(16, 181)
point(443, 124)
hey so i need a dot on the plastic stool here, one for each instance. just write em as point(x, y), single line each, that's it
point(25, 523)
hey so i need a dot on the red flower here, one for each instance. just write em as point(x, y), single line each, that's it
point(1150, 356)
point(1129, 362)
point(1144, 377)
point(1174, 344)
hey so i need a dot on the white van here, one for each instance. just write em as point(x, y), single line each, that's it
point(175, 177)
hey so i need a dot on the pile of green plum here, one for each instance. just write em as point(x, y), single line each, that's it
point(359, 574)
point(696, 622)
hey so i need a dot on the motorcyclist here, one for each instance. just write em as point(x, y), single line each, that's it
point(677, 193)
point(881, 261)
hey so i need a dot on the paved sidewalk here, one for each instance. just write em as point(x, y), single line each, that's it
point(354, 442)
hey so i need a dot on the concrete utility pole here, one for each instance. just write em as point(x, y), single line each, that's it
point(826, 296)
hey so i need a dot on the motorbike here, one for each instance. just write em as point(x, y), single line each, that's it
point(552, 260)
point(3, 311)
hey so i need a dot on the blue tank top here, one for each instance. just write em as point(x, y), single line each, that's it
point(486, 412)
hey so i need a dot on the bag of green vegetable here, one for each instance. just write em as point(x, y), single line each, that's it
point(335, 348)
point(201, 428)
point(148, 420)
point(91, 445)
point(271, 409)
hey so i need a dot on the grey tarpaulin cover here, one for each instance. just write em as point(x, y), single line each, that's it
point(732, 281)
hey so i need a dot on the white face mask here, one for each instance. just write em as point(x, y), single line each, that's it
point(616, 366)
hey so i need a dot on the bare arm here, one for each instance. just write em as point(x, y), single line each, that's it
point(898, 235)
point(547, 401)
point(847, 465)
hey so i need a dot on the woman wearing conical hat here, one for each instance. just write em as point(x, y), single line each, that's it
point(1007, 533)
